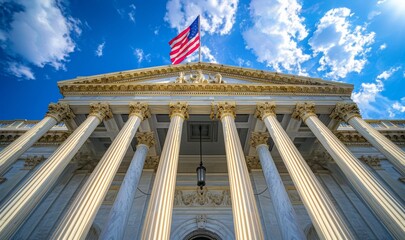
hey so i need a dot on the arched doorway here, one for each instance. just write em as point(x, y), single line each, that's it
point(202, 234)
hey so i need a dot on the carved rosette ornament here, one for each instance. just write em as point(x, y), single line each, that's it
point(223, 109)
point(345, 111)
point(145, 138)
point(371, 161)
point(180, 109)
point(253, 162)
point(139, 109)
point(151, 162)
point(60, 111)
point(265, 109)
point(304, 110)
point(101, 111)
point(259, 138)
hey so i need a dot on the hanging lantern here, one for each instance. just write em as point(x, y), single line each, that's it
point(201, 169)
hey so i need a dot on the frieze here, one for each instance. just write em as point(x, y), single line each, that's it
point(53, 137)
point(30, 162)
point(202, 198)
point(353, 137)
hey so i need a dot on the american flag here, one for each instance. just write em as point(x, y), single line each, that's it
point(185, 43)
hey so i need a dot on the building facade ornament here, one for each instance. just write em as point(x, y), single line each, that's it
point(101, 111)
point(303, 111)
point(180, 109)
point(372, 161)
point(31, 162)
point(146, 138)
point(319, 161)
point(85, 161)
point(265, 109)
point(52, 137)
point(139, 109)
point(201, 221)
point(259, 138)
point(60, 111)
point(202, 198)
point(223, 109)
point(253, 162)
point(151, 162)
point(345, 111)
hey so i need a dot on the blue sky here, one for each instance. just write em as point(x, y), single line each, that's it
point(358, 42)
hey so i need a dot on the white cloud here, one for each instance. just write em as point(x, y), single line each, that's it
point(343, 48)
point(41, 34)
point(131, 13)
point(383, 46)
point(373, 14)
point(141, 56)
point(241, 62)
point(20, 71)
point(370, 93)
point(217, 16)
point(99, 50)
point(205, 55)
point(276, 32)
point(399, 107)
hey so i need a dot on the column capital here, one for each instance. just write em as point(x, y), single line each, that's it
point(344, 111)
point(60, 111)
point(101, 111)
point(259, 138)
point(373, 162)
point(265, 109)
point(253, 162)
point(304, 110)
point(180, 109)
point(145, 138)
point(151, 162)
point(139, 109)
point(223, 109)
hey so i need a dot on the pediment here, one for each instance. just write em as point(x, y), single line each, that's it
point(200, 77)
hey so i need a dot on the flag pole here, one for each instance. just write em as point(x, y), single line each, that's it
point(199, 33)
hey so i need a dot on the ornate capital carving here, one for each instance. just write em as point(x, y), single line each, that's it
point(304, 110)
point(259, 138)
point(101, 110)
point(145, 138)
point(139, 109)
point(180, 109)
point(151, 162)
point(60, 111)
point(224, 109)
point(32, 161)
point(253, 162)
point(265, 109)
point(371, 161)
point(345, 111)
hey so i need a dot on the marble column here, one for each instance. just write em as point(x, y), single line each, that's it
point(327, 221)
point(78, 219)
point(286, 218)
point(18, 206)
point(56, 112)
point(245, 214)
point(158, 218)
point(382, 202)
point(349, 112)
point(119, 214)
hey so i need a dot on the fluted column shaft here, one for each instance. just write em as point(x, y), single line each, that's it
point(81, 213)
point(287, 220)
point(393, 153)
point(12, 152)
point(158, 218)
point(327, 221)
point(245, 213)
point(19, 206)
point(383, 203)
point(119, 214)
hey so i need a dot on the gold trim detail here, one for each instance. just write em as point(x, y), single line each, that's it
point(303, 111)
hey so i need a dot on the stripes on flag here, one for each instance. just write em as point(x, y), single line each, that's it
point(185, 43)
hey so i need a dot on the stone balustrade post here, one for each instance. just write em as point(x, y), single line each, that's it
point(327, 221)
point(390, 211)
point(158, 218)
point(56, 112)
point(14, 211)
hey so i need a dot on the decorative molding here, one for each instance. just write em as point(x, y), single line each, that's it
point(259, 138)
point(139, 109)
point(345, 111)
point(60, 112)
point(32, 161)
point(151, 162)
point(51, 137)
point(303, 111)
point(180, 109)
point(202, 198)
point(353, 137)
point(265, 109)
point(372, 161)
point(101, 110)
point(223, 109)
point(146, 138)
point(253, 162)
point(201, 220)
point(199, 78)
